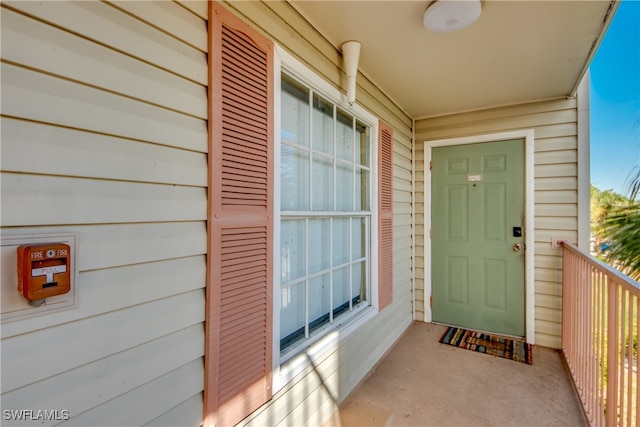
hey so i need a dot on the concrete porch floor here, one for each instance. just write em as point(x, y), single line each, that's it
point(424, 383)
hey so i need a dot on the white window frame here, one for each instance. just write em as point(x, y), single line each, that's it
point(287, 366)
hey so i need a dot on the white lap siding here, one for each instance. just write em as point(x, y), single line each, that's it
point(104, 134)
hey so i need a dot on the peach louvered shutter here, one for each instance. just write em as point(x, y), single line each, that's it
point(239, 289)
point(385, 216)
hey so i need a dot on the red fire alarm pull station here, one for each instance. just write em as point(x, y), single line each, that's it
point(44, 270)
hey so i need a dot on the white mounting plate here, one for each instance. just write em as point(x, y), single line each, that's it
point(14, 306)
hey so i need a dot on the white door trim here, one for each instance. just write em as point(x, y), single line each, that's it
point(528, 136)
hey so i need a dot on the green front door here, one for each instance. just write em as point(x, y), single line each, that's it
point(477, 241)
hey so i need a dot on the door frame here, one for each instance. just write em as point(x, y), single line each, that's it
point(528, 136)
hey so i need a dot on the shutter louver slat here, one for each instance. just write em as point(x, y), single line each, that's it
point(239, 289)
point(233, 87)
point(243, 130)
point(385, 216)
point(235, 108)
point(243, 155)
point(240, 89)
point(252, 52)
point(251, 83)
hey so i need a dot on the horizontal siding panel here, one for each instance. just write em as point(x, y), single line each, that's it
point(275, 412)
point(171, 18)
point(556, 197)
point(555, 131)
point(377, 336)
point(497, 113)
point(37, 45)
point(318, 405)
point(102, 291)
point(404, 219)
point(402, 176)
point(549, 341)
point(401, 197)
point(542, 119)
point(182, 383)
point(546, 125)
point(188, 413)
point(401, 209)
point(113, 245)
point(402, 151)
point(401, 162)
point(548, 261)
point(42, 149)
point(559, 210)
point(556, 183)
point(543, 247)
point(401, 235)
point(56, 200)
point(557, 223)
point(553, 157)
point(72, 345)
point(548, 288)
point(548, 275)
point(549, 314)
point(93, 384)
point(548, 328)
point(111, 27)
point(549, 301)
point(554, 144)
point(546, 236)
point(556, 170)
point(400, 292)
point(197, 7)
point(64, 103)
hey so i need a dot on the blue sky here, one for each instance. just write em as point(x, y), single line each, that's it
point(615, 101)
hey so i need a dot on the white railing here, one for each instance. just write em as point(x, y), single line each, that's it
point(600, 309)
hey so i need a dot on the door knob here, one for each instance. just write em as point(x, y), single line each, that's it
point(517, 247)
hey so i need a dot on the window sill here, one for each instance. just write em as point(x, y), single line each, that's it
point(300, 358)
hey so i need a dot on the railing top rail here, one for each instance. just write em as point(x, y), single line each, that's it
point(603, 267)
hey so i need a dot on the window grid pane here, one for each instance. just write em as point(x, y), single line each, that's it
point(325, 213)
point(347, 275)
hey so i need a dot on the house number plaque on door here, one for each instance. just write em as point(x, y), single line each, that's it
point(474, 178)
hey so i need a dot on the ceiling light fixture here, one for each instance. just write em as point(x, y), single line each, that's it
point(443, 16)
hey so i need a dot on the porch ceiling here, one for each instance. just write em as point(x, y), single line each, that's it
point(517, 51)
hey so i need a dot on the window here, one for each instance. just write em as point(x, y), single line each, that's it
point(325, 213)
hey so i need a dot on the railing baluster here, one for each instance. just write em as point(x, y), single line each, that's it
point(620, 358)
point(602, 328)
point(612, 347)
point(600, 309)
point(635, 363)
point(629, 358)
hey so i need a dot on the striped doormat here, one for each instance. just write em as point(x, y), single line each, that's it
point(490, 344)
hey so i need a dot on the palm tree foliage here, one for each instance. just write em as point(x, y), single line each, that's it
point(621, 229)
point(616, 225)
